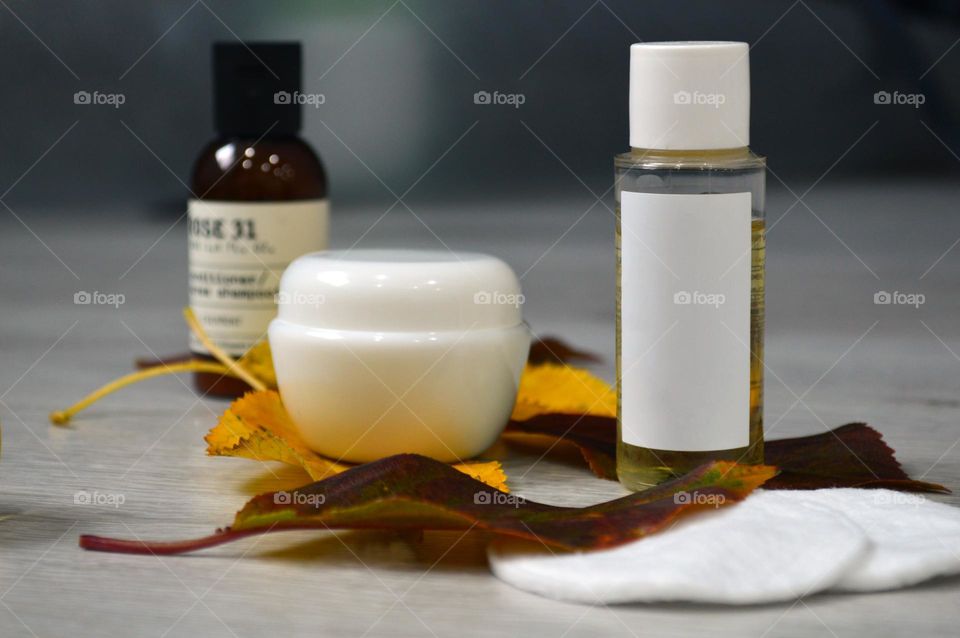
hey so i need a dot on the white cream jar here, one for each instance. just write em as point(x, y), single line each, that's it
point(380, 352)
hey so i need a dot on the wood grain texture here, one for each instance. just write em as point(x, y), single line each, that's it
point(834, 356)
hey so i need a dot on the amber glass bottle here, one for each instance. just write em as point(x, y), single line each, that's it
point(259, 200)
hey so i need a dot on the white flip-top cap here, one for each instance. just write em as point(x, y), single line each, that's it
point(689, 95)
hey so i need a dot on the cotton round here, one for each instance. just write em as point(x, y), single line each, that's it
point(765, 549)
point(913, 538)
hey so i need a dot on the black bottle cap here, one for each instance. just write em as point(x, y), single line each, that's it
point(255, 87)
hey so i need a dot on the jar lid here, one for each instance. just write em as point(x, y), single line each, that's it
point(400, 291)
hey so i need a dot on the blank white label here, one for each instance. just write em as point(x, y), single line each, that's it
point(685, 321)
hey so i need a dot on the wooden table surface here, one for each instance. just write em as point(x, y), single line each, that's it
point(834, 356)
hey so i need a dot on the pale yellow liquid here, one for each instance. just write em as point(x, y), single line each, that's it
point(639, 467)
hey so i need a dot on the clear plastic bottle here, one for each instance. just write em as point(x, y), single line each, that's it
point(690, 265)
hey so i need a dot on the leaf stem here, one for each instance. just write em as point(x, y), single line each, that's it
point(62, 417)
point(163, 548)
point(235, 369)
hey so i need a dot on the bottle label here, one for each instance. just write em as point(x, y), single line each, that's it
point(685, 321)
point(238, 250)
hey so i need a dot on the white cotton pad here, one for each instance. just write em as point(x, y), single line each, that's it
point(765, 549)
point(913, 538)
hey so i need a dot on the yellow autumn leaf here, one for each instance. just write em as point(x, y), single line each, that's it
point(256, 426)
point(552, 387)
point(258, 361)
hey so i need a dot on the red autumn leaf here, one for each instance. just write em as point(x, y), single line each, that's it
point(408, 491)
point(554, 350)
point(852, 455)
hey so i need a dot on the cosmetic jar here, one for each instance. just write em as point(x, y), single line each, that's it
point(381, 352)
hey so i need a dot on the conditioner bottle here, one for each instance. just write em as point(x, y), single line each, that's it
point(259, 200)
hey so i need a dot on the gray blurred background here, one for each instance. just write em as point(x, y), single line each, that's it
point(399, 79)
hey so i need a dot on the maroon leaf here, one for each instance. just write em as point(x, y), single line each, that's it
point(414, 492)
point(554, 350)
point(852, 455)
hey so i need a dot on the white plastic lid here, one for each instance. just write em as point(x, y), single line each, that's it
point(400, 291)
point(689, 95)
